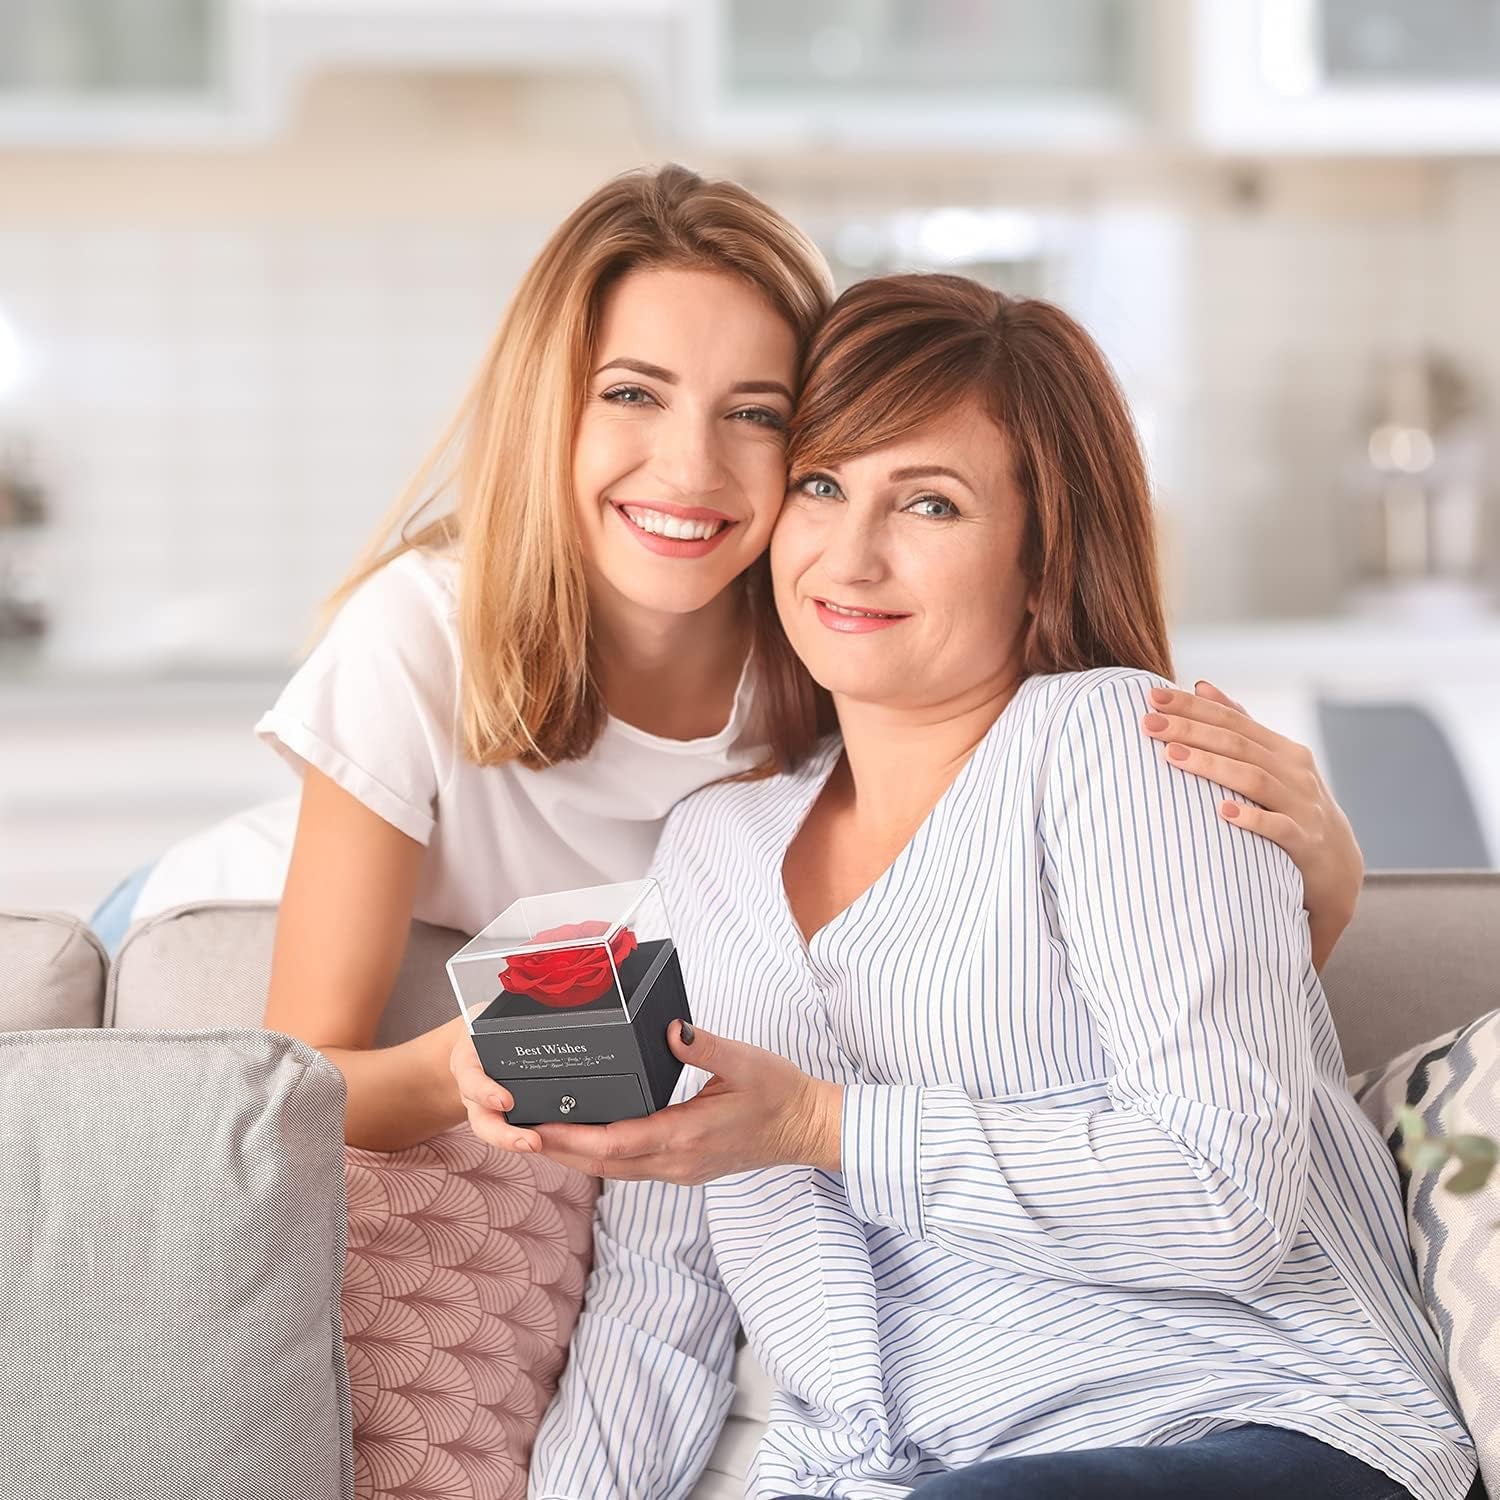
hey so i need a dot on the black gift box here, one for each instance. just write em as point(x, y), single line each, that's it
point(568, 998)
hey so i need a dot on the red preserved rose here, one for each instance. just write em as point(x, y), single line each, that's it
point(562, 978)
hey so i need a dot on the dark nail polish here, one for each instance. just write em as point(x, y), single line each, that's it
point(688, 1033)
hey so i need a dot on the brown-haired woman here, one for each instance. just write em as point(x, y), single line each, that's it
point(1015, 1133)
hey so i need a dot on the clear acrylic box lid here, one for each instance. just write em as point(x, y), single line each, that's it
point(566, 958)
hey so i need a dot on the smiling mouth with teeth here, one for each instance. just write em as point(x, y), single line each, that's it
point(658, 523)
point(858, 614)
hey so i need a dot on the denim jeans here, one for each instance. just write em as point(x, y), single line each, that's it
point(1240, 1463)
point(111, 921)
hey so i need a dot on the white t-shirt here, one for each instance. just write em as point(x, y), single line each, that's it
point(375, 707)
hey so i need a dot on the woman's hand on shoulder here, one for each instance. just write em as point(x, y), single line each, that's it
point(1210, 735)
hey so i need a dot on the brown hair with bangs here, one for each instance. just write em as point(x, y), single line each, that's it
point(898, 351)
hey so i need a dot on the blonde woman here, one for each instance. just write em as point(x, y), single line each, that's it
point(511, 695)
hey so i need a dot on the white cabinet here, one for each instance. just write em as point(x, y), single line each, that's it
point(633, 38)
point(751, 75)
point(920, 73)
point(1379, 76)
point(85, 49)
point(155, 73)
point(757, 76)
point(82, 71)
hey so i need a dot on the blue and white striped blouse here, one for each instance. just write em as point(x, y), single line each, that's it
point(1102, 1180)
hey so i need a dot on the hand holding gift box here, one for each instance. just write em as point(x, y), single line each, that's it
point(756, 1110)
point(568, 998)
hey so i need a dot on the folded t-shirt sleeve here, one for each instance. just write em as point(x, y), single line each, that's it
point(375, 706)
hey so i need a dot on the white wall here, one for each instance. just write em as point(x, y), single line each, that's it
point(238, 358)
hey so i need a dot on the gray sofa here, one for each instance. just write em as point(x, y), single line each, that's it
point(174, 1193)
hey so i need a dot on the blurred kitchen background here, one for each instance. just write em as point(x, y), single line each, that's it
point(250, 251)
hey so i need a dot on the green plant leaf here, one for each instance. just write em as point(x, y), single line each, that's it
point(1427, 1155)
point(1474, 1148)
point(1470, 1177)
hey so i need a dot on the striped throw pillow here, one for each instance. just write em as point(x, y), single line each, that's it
point(1453, 1083)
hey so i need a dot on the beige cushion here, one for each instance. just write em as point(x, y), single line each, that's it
point(1453, 1083)
point(52, 972)
point(1421, 957)
point(172, 1244)
point(210, 965)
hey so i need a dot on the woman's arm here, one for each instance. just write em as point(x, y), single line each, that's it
point(1209, 735)
point(1186, 945)
point(340, 936)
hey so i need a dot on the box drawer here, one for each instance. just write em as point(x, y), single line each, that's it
point(594, 1100)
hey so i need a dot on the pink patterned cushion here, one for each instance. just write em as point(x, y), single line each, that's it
point(463, 1282)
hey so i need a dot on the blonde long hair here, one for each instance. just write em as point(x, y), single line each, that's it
point(526, 687)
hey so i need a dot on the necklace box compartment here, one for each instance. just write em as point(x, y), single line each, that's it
point(568, 997)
